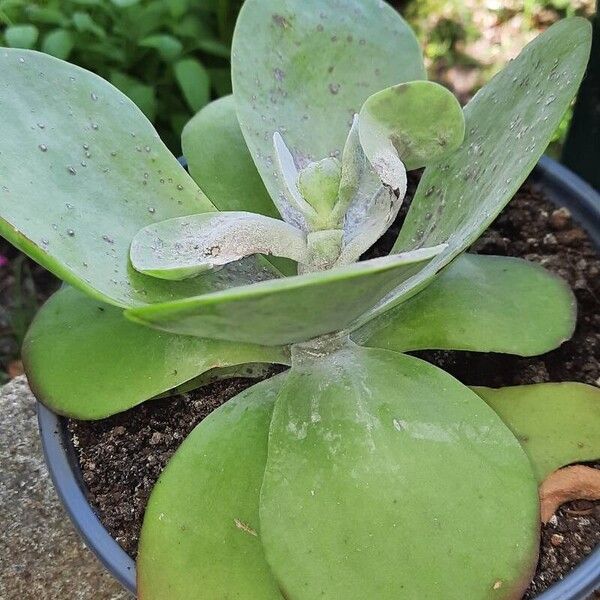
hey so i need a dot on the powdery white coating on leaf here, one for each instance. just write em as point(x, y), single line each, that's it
point(390, 169)
point(370, 206)
point(360, 443)
point(184, 247)
point(289, 202)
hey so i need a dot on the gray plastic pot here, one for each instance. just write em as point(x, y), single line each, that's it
point(560, 184)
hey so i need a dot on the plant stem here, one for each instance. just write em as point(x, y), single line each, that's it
point(324, 249)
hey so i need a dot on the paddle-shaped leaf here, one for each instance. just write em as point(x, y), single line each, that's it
point(220, 163)
point(386, 478)
point(304, 68)
point(290, 309)
point(187, 246)
point(481, 303)
point(556, 423)
point(201, 533)
point(409, 125)
point(95, 173)
point(509, 124)
point(85, 360)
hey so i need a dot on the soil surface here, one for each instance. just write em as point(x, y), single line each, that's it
point(121, 457)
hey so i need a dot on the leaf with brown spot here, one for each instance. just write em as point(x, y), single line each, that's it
point(571, 483)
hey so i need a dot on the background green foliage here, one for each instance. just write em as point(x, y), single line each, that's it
point(466, 42)
point(169, 56)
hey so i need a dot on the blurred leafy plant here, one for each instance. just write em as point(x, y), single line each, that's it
point(169, 56)
point(442, 26)
point(447, 27)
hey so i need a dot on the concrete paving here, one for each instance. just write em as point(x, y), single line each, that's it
point(41, 555)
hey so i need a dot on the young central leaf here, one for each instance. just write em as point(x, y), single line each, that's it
point(184, 247)
point(319, 184)
point(365, 204)
point(386, 478)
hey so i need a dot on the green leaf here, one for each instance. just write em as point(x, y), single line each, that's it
point(286, 310)
point(305, 68)
point(21, 36)
point(386, 478)
point(194, 82)
point(188, 246)
point(96, 174)
point(418, 122)
point(58, 43)
point(509, 124)
point(178, 8)
point(200, 537)
point(219, 161)
point(194, 27)
point(46, 15)
point(221, 81)
point(483, 304)
point(167, 46)
point(143, 95)
point(214, 47)
point(106, 52)
point(84, 23)
point(125, 3)
point(85, 360)
point(556, 423)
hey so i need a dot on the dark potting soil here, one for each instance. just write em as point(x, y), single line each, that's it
point(121, 457)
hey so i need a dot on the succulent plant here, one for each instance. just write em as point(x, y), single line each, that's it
point(362, 471)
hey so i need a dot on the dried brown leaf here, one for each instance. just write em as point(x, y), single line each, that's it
point(571, 483)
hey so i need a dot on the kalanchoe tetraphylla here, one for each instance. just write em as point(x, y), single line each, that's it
point(324, 481)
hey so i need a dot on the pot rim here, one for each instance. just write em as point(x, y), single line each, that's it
point(561, 185)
